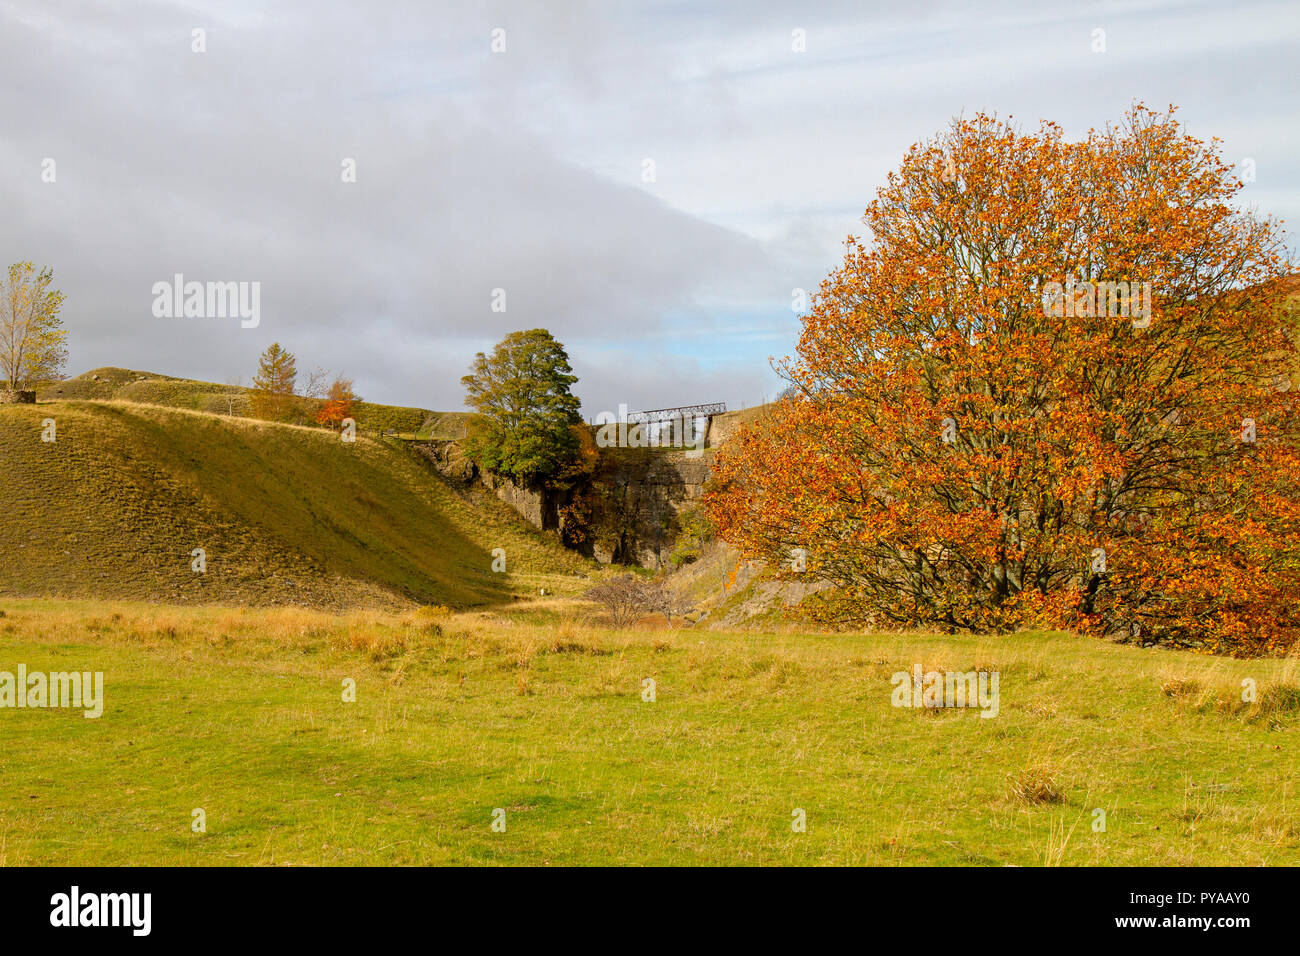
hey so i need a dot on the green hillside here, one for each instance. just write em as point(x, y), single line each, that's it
point(232, 400)
point(287, 515)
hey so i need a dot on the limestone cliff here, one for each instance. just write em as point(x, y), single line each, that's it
point(630, 505)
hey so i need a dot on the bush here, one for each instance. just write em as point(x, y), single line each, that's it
point(628, 597)
point(695, 531)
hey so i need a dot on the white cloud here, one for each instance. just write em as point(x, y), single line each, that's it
point(522, 170)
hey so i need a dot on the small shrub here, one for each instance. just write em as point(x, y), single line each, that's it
point(1034, 785)
point(1178, 687)
point(623, 598)
point(696, 531)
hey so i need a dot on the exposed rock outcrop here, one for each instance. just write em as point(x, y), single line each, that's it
point(633, 500)
point(638, 495)
point(634, 496)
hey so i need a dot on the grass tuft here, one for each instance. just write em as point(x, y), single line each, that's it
point(1034, 785)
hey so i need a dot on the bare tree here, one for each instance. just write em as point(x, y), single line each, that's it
point(230, 396)
point(622, 597)
point(318, 383)
point(627, 597)
point(658, 597)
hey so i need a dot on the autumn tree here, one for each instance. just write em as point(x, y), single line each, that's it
point(272, 397)
point(33, 342)
point(1046, 390)
point(339, 400)
point(525, 428)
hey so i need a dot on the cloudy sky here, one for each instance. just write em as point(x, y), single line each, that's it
point(649, 181)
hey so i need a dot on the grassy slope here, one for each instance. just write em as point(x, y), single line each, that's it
point(149, 387)
point(114, 507)
point(240, 713)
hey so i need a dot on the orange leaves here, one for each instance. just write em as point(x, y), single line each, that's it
point(333, 413)
point(1069, 432)
point(338, 404)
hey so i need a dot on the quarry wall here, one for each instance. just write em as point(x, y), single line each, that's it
point(632, 501)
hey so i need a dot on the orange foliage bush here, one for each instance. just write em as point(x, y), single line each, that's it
point(338, 404)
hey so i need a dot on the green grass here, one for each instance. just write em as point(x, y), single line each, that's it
point(286, 515)
point(239, 712)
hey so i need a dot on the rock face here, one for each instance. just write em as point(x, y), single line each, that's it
point(540, 508)
point(720, 428)
point(634, 499)
point(17, 398)
point(638, 496)
point(447, 457)
point(634, 496)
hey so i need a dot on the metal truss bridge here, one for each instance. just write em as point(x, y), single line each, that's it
point(681, 412)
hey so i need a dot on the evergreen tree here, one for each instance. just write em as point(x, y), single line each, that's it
point(272, 396)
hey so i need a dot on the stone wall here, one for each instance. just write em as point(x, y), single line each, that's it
point(17, 398)
point(721, 427)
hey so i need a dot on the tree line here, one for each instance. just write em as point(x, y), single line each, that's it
point(276, 395)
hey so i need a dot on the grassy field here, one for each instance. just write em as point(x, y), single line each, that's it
point(531, 710)
point(224, 690)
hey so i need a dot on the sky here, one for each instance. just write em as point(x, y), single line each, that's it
point(650, 182)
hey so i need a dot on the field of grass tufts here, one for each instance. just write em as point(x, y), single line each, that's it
point(538, 713)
